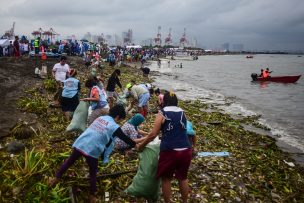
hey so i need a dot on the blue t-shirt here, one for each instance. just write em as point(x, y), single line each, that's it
point(70, 87)
point(93, 140)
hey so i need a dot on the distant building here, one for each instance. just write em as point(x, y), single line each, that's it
point(193, 42)
point(10, 34)
point(117, 40)
point(127, 37)
point(226, 46)
point(109, 40)
point(147, 42)
point(238, 47)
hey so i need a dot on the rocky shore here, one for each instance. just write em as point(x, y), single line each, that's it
point(256, 170)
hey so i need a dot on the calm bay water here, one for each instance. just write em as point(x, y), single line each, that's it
point(222, 79)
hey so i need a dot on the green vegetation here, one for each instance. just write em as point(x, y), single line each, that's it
point(255, 171)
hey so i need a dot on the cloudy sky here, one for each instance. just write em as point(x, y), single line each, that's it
point(258, 24)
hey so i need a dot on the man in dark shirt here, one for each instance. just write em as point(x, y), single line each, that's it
point(112, 82)
point(16, 47)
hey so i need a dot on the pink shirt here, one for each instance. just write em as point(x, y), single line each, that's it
point(160, 99)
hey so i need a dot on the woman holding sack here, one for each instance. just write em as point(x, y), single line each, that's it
point(175, 149)
point(70, 94)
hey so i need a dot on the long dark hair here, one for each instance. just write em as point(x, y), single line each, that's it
point(91, 82)
point(118, 110)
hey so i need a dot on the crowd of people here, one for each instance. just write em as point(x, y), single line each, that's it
point(103, 133)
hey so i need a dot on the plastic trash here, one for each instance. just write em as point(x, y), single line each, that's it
point(204, 154)
point(289, 163)
point(43, 72)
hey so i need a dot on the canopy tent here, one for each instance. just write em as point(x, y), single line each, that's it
point(134, 47)
point(4, 42)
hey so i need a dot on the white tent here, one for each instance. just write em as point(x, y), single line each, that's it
point(134, 47)
point(4, 42)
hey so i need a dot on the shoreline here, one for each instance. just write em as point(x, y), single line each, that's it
point(256, 169)
point(296, 153)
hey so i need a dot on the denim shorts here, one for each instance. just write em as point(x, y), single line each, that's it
point(143, 99)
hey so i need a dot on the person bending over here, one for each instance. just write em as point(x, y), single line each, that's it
point(92, 143)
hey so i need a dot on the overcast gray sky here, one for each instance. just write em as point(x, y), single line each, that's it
point(258, 24)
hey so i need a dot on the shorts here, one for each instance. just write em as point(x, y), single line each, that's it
point(173, 162)
point(69, 104)
point(144, 99)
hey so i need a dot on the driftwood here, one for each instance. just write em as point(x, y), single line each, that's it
point(115, 174)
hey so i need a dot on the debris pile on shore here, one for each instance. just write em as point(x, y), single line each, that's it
point(255, 169)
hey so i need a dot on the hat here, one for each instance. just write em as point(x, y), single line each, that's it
point(136, 120)
point(129, 85)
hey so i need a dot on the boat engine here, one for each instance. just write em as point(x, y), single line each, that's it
point(254, 76)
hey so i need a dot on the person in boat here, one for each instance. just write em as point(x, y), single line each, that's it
point(265, 73)
point(268, 72)
point(261, 74)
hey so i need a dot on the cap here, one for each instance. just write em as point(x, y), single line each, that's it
point(129, 85)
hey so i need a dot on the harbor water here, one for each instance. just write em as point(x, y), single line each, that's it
point(225, 81)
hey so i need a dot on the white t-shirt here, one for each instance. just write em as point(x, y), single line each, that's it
point(25, 47)
point(61, 71)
